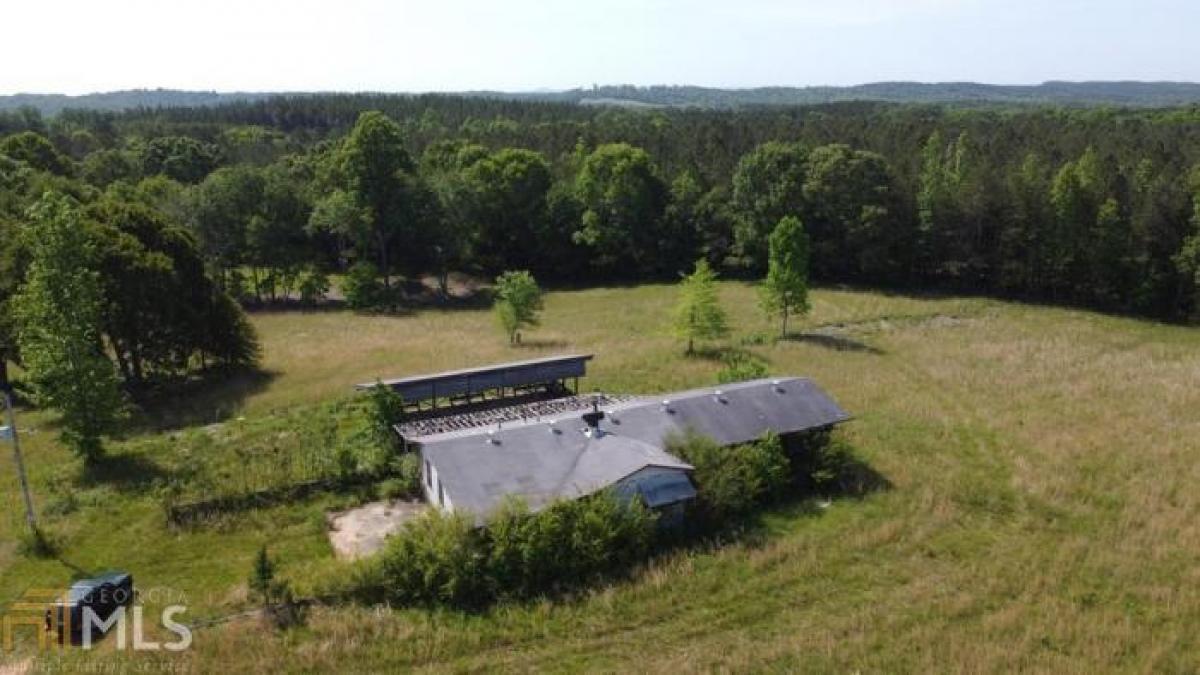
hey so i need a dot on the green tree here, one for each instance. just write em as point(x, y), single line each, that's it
point(37, 152)
point(385, 411)
point(623, 200)
point(849, 219)
point(161, 308)
point(1023, 238)
point(277, 240)
point(699, 316)
point(59, 312)
point(1187, 261)
point(13, 261)
point(518, 301)
point(943, 250)
point(338, 214)
point(380, 175)
point(768, 184)
point(508, 207)
point(180, 158)
point(785, 290)
point(105, 167)
point(222, 208)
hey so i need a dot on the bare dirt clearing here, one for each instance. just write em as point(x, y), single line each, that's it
point(357, 532)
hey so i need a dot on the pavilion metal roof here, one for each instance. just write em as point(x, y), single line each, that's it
point(483, 378)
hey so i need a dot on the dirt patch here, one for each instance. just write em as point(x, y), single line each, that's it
point(18, 668)
point(359, 532)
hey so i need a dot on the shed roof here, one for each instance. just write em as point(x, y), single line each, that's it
point(475, 380)
point(544, 461)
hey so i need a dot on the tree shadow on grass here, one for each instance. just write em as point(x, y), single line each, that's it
point(839, 343)
point(209, 398)
point(295, 307)
point(126, 472)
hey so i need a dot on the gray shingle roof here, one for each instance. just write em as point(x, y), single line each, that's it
point(730, 414)
point(539, 462)
point(542, 461)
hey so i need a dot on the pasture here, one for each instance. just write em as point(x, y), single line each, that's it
point(1042, 511)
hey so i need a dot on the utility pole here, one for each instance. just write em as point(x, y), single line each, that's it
point(11, 432)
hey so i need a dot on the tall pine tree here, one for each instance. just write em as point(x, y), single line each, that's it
point(699, 315)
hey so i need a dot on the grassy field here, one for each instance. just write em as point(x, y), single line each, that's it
point(1042, 512)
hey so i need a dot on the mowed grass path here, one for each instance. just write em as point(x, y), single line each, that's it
point(1043, 511)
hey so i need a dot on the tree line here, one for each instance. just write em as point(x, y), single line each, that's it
point(190, 209)
point(1083, 206)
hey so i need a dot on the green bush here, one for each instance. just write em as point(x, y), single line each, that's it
point(443, 559)
point(740, 367)
point(733, 481)
point(826, 464)
point(436, 559)
point(362, 287)
point(566, 545)
point(384, 412)
point(314, 286)
point(407, 469)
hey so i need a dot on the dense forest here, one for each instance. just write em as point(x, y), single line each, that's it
point(261, 200)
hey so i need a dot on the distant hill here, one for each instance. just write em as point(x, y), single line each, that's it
point(50, 104)
point(1130, 94)
point(1134, 94)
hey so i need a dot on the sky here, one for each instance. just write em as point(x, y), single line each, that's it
point(82, 46)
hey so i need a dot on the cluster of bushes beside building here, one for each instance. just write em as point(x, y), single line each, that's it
point(445, 559)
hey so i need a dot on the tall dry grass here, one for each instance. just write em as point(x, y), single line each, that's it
point(1043, 513)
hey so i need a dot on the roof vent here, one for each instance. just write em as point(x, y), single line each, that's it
point(593, 418)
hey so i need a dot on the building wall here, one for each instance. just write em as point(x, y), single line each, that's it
point(435, 491)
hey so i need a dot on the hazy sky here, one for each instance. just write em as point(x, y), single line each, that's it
point(82, 46)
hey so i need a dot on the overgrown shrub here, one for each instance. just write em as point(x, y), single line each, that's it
point(407, 469)
point(384, 411)
point(443, 559)
point(362, 288)
point(826, 464)
point(731, 481)
point(566, 545)
point(740, 367)
point(437, 559)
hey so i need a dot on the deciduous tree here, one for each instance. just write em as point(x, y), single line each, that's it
point(59, 312)
point(768, 184)
point(518, 301)
point(785, 290)
point(623, 200)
